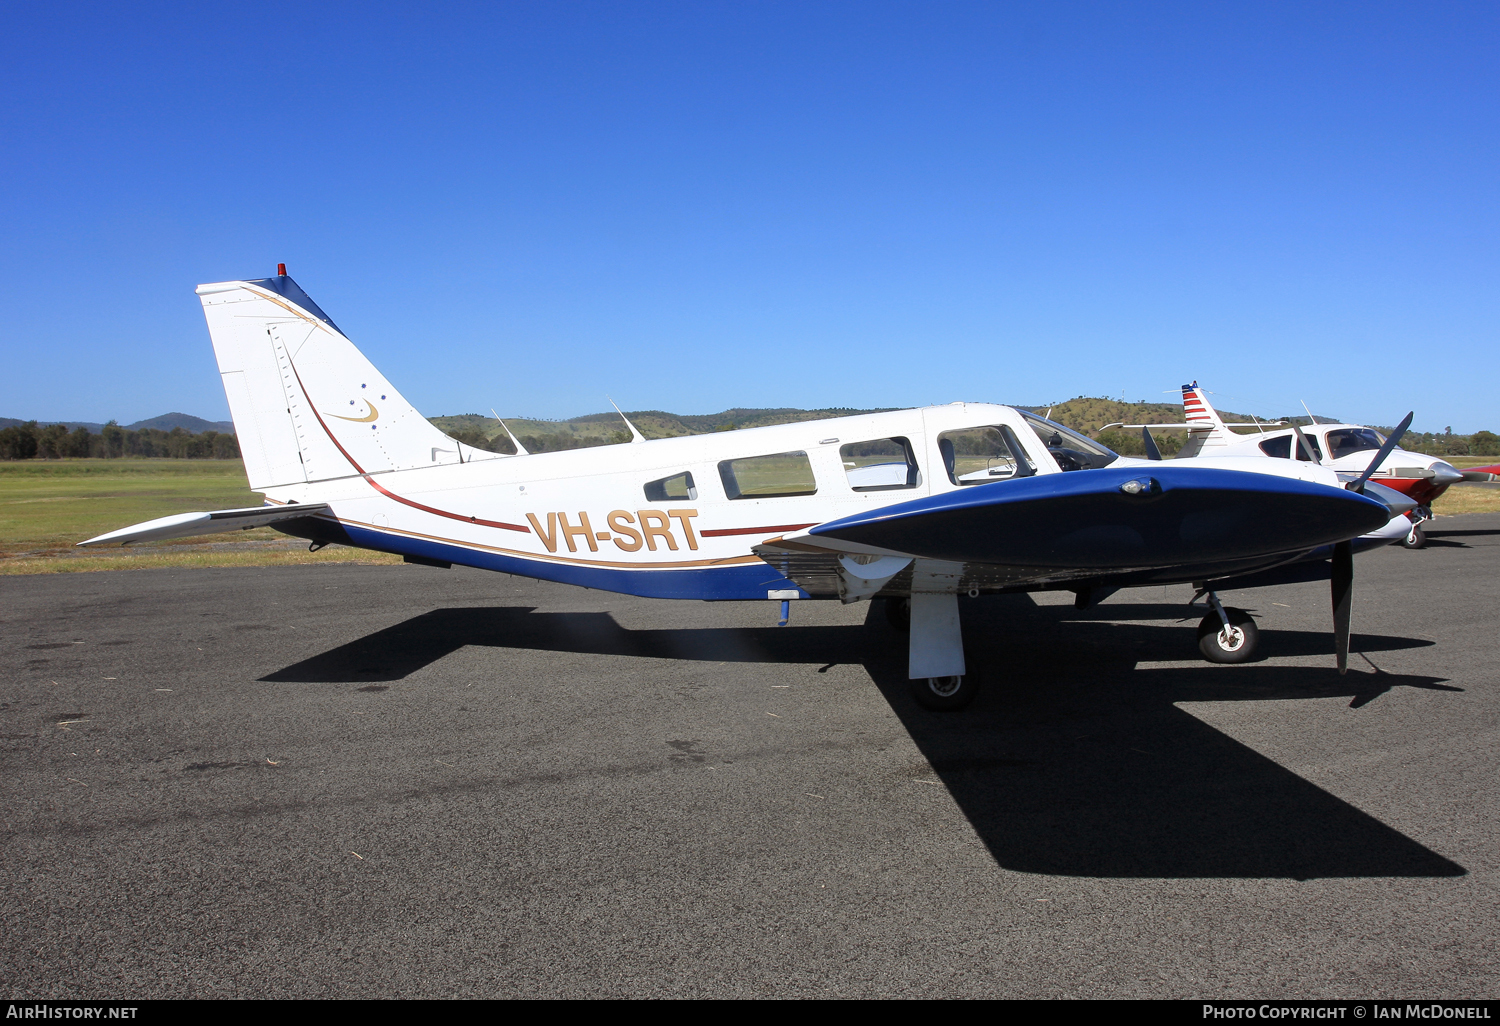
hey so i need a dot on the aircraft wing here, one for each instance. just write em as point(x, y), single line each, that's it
point(1099, 523)
point(185, 525)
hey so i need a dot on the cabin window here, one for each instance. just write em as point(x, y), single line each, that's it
point(1352, 440)
point(667, 489)
point(1071, 450)
point(881, 465)
point(1301, 453)
point(768, 477)
point(980, 455)
point(1281, 447)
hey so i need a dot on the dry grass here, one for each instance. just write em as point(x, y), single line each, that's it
point(48, 506)
point(235, 554)
point(1467, 498)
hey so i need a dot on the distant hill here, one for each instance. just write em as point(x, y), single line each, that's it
point(1089, 415)
point(166, 422)
point(601, 428)
point(1081, 414)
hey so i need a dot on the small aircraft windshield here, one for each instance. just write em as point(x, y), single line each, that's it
point(1071, 450)
point(1351, 440)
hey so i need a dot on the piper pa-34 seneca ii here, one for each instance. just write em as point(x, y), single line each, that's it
point(917, 507)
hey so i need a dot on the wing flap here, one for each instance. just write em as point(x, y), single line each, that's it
point(186, 525)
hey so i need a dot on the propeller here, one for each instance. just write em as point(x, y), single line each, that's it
point(1342, 589)
point(1152, 452)
point(1341, 579)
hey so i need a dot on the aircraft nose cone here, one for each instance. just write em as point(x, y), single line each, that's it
point(1443, 473)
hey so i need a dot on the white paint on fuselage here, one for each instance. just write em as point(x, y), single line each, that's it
point(596, 482)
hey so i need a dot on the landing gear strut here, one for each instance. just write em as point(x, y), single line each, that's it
point(1226, 634)
point(1416, 538)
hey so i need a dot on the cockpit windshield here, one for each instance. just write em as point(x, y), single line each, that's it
point(1071, 450)
point(1352, 440)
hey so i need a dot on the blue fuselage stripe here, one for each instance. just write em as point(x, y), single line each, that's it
point(721, 583)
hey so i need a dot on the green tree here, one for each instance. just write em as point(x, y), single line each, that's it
point(114, 440)
point(19, 442)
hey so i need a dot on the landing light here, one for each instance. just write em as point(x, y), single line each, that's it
point(1138, 486)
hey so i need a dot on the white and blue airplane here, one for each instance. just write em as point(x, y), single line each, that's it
point(917, 507)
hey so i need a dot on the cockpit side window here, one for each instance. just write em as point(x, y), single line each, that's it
point(980, 455)
point(880, 465)
point(667, 489)
point(1071, 450)
point(1301, 453)
point(1281, 447)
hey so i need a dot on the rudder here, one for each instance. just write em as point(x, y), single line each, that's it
point(307, 404)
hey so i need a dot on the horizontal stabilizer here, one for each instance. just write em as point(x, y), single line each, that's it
point(1184, 427)
point(185, 525)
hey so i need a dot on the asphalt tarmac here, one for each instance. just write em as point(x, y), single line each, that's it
point(403, 781)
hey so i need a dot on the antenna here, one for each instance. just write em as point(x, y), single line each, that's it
point(635, 436)
point(520, 449)
point(1310, 415)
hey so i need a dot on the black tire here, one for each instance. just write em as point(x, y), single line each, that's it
point(898, 614)
point(1211, 637)
point(1416, 538)
point(947, 694)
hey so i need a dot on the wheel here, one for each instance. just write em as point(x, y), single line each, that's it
point(1236, 645)
point(898, 613)
point(946, 694)
point(1416, 538)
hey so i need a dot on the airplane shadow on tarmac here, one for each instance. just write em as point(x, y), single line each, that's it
point(1071, 762)
point(1443, 539)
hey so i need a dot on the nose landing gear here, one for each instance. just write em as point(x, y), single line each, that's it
point(1226, 634)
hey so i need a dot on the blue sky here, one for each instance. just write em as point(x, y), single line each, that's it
point(697, 206)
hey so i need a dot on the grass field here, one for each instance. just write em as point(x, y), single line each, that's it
point(47, 507)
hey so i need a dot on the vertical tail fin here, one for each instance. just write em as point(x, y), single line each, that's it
point(307, 405)
point(1206, 430)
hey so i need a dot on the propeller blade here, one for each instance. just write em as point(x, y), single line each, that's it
point(1152, 452)
point(1342, 590)
point(1385, 450)
point(1312, 455)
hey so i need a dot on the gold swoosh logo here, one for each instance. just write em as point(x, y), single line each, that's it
point(374, 414)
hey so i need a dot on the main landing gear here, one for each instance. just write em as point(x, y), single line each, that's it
point(941, 676)
point(943, 694)
point(1226, 634)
